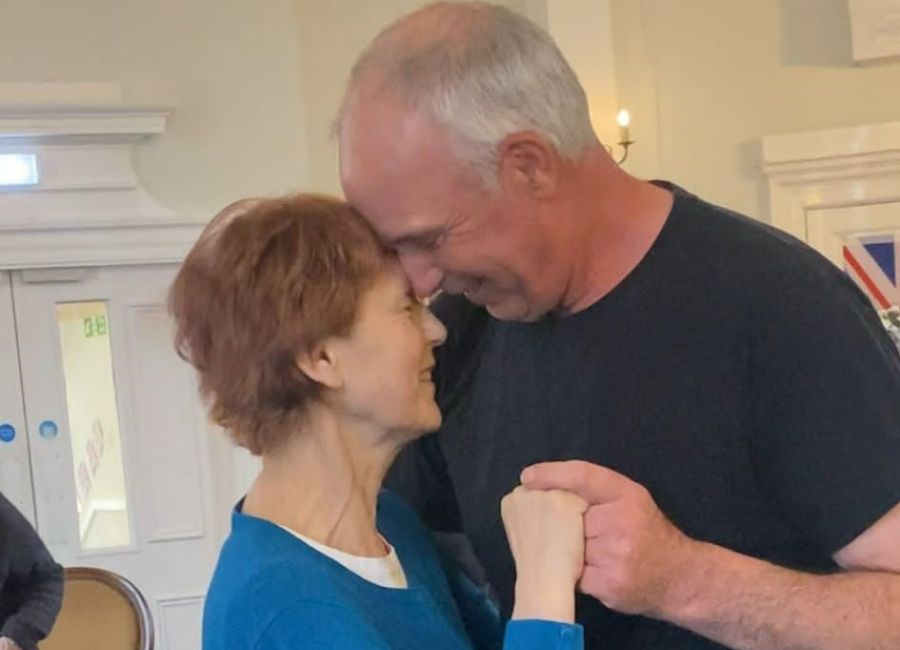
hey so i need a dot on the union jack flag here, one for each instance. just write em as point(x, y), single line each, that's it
point(873, 263)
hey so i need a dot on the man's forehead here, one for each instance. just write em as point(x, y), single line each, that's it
point(396, 228)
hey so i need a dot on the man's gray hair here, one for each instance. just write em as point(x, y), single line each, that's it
point(484, 72)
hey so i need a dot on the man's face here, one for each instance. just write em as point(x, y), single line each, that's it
point(400, 171)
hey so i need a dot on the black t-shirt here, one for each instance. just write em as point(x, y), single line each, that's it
point(735, 373)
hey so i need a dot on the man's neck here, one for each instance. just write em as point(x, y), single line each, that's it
point(324, 484)
point(620, 218)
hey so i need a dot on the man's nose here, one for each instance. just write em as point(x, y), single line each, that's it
point(424, 277)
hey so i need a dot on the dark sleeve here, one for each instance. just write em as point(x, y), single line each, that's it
point(37, 578)
point(825, 389)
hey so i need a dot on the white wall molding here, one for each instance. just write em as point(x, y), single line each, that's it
point(47, 124)
point(830, 168)
point(89, 207)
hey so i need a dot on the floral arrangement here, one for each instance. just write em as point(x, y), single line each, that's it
point(891, 320)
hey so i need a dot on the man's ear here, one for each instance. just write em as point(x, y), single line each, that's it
point(321, 364)
point(528, 165)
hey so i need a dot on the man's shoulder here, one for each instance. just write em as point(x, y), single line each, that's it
point(756, 255)
point(706, 223)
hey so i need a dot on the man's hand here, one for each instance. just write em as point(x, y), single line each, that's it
point(633, 554)
point(8, 644)
point(637, 562)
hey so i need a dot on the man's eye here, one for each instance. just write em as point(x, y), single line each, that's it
point(430, 242)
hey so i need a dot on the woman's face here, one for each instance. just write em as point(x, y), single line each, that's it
point(387, 359)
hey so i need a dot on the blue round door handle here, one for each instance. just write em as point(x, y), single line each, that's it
point(7, 433)
point(48, 429)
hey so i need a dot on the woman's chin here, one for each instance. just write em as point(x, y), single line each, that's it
point(429, 420)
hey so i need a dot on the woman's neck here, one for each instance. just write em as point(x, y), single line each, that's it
point(324, 484)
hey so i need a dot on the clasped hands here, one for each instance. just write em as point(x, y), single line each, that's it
point(575, 525)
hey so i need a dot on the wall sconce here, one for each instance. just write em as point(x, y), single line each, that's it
point(625, 141)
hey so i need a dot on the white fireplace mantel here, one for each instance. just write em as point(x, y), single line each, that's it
point(89, 207)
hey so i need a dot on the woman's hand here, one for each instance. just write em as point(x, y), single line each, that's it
point(545, 530)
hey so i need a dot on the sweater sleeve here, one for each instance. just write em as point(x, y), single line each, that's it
point(482, 621)
point(543, 635)
point(40, 581)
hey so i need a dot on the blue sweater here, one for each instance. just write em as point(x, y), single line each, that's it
point(271, 591)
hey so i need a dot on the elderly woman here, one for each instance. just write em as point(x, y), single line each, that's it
point(312, 353)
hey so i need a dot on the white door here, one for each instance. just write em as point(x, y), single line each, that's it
point(119, 447)
point(15, 467)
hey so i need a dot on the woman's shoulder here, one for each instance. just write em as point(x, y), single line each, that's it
point(260, 560)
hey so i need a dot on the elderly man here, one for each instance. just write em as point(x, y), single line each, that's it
point(732, 399)
point(31, 583)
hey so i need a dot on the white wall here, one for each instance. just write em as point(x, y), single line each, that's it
point(255, 85)
point(229, 68)
point(582, 30)
point(706, 79)
point(332, 35)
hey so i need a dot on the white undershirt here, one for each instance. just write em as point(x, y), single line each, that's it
point(383, 571)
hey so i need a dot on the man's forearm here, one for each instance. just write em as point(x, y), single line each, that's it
point(748, 604)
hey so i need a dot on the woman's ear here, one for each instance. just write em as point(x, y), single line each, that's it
point(320, 364)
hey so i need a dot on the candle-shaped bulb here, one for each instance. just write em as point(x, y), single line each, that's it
point(624, 119)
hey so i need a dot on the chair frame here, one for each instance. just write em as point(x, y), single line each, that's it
point(128, 590)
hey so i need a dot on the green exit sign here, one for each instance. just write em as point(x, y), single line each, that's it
point(95, 326)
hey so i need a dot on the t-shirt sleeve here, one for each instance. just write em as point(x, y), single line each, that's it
point(825, 390)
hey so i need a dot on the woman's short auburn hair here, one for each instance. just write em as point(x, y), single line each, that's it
point(267, 280)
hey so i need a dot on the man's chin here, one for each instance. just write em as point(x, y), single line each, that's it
point(512, 310)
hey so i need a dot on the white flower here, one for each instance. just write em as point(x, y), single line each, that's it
point(890, 318)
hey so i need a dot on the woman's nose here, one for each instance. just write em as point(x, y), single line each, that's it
point(435, 331)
